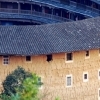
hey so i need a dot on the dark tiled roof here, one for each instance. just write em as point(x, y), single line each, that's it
point(50, 38)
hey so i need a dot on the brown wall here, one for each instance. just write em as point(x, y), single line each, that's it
point(54, 74)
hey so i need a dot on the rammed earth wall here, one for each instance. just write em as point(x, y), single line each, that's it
point(54, 73)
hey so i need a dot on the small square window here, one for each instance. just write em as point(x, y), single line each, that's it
point(69, 57)
point(87, 53)
point(5, 60)
point(85, 76)
point(49, 57)
point(28, 58)
point(40, 83)
point(69, 80)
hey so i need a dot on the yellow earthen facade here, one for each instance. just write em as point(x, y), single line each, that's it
point(54, 74)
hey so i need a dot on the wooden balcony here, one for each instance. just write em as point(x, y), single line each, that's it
point(21, 1)
point(31, 13)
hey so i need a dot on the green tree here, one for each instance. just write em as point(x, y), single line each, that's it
point(30, 89)
point(22, 85)
point(14, 80)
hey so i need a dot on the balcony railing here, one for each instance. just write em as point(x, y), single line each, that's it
point(76, 7)
point(84, 7)
point(29, 12)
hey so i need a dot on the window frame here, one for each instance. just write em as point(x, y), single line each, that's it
point(85, 80)
point(29, 60)
point(49, 57)
point(87, 57)
point(5, 60)
point(41, 87)
point(70, 75)
point(66, 59)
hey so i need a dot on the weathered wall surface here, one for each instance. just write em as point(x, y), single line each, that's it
point(54, 73)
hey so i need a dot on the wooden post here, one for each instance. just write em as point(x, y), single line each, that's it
point(52, 10)
point(43, 10)
point(61, 13)
point(31, 8)
point(19, 8)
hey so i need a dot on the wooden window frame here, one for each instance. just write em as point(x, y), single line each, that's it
point(85, 80)
point(67, 80)
point(28, 60)
point(6, 60)
point(69, 59)
point(87, 54)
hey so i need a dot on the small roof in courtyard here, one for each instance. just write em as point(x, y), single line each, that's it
point(50, 38)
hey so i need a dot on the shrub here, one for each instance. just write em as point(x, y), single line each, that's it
point(29, 90)
point(15, 80)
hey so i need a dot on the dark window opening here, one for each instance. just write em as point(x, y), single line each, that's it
point(37, 8)
point(28, 58)
point(87, 53)
point(65, 2)
point(69, 56)
point(25, 6)
point(9, 5)
point(49, 58)
point(85, 76)
point(99, 73)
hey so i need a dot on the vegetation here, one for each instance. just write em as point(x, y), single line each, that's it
point(29, 90)
point(22, 85)
point(15, 80)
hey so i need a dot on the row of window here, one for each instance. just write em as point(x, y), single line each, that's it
point(49, 58)
point(69, 57)
point(28, 59)
point(69, 78)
